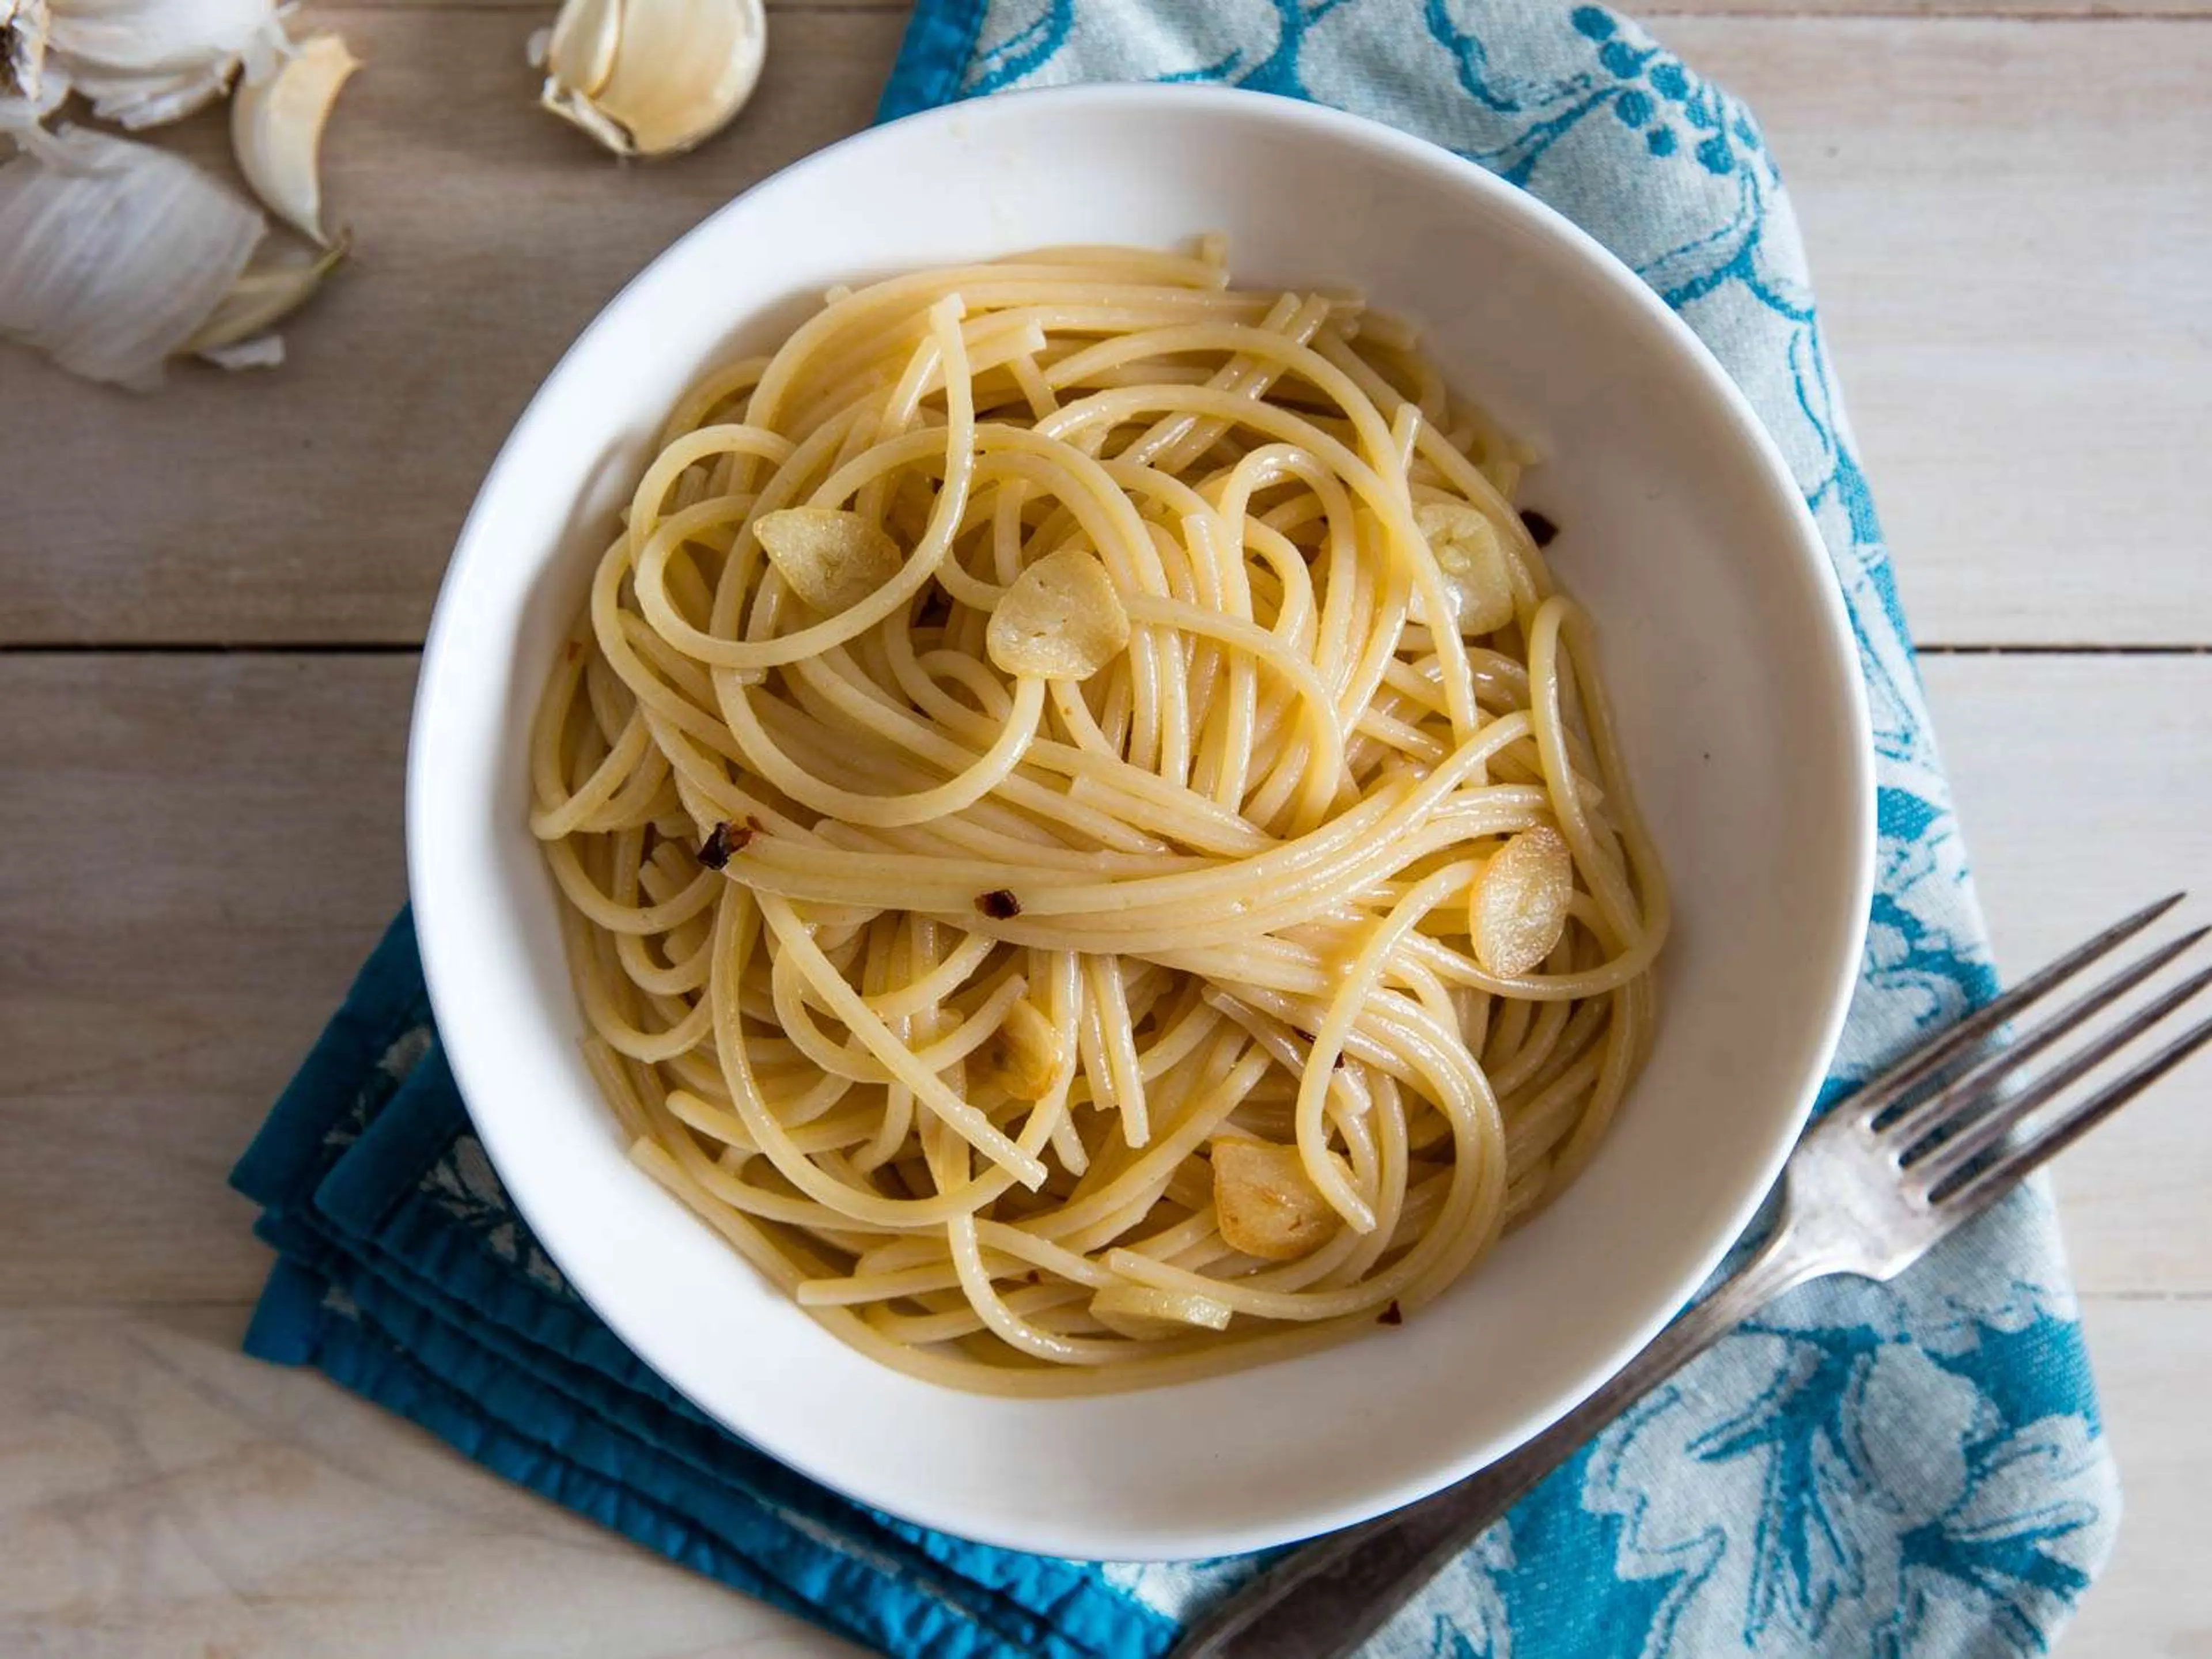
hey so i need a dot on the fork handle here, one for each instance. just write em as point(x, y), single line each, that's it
point(1323, 1600)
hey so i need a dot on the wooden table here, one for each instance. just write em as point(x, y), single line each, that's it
point(209, 605)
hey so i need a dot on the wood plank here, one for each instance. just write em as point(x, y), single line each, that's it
point(152, 1006)
point(319, 502)
point(214, 845)
point(2013, 278)
point(2012, 274)
point(2084, 785)
point(2154, 1600)
point(169, 1498)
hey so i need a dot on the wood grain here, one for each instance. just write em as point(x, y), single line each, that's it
point(169, 1498)
point(203, 850)
point(2154, 1601)
point(2015, 272)
point(2085, 785)
point(2016, 266)
point(152, 1006)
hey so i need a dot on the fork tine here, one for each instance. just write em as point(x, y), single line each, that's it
point(1884, 1092)
point(1965, 1094)
point(1986, 1130)
point(1985, 1187)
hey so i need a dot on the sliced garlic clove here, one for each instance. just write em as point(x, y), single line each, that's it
point(1060, 619)
point(1264, 1203)
point(145, 62)
point(276, 130)
point(264, 295)
point(1146, 1311)
point(832, 559)
point(1517, 908)
point(653, 77)
point(1472, 559)
point(112, 253)
point(1025, 1056)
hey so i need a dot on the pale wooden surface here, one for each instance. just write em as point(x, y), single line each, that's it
point(2012, 224)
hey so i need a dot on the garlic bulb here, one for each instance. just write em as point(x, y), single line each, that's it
point(652, 77)
point(144, 61)
point(277, 118)
point(112, 253)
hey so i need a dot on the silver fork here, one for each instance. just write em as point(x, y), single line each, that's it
point(1869, 1190)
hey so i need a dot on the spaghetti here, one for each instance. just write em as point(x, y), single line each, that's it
point(1092, 847)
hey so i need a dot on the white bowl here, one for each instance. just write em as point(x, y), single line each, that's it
point(1724, 640)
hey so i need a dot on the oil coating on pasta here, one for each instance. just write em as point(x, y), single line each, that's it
point(1092, 845)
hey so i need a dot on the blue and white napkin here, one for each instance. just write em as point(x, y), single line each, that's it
point(1911, 1469)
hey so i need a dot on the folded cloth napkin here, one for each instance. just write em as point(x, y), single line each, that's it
point(1906, 1469)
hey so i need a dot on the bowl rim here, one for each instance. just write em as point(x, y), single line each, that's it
point(472, 1062)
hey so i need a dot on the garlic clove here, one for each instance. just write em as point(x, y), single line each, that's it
point(1518, 906)
point(580, 49)
point(1060, 619)
point(112, 253)
point(653, 77)
point(1144, 1311)
point(144, 61)
point(264, 293)
point(277, 123)
point(832, 559)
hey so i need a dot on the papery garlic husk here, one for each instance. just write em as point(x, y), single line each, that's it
point(652, 77)
point(24, 115)
point(24, 25)
point(262, 351)
point(112, 253)
point(277, 118)
point(144, 61)
point(266, 292)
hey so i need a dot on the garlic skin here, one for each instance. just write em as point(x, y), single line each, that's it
point(262, 351)
point(145, 62)
point(24, 25)
point(652, 77)
point(265, 293)
point(113, 253)
point(277, 119)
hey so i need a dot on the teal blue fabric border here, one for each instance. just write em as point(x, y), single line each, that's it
point(940, 37)
point(404, 1277)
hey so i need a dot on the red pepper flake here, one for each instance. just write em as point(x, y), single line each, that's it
point(1000, 904)
point(726, 840)
point(1541, 530)
point(1390, 1316)
point(575, 649)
